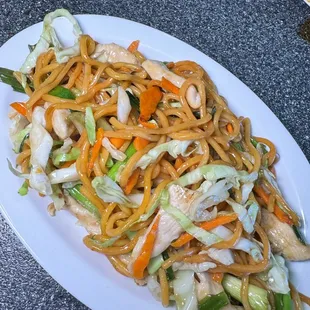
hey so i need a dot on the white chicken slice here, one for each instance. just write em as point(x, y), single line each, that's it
point(61, 124)
point(113, 53)
point(168, 228)
point(38, 115)
point(283, 239)
point(157, 70)
point(41, 144)
point(85, 218)
point(223, 256)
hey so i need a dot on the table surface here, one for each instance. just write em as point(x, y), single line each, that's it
point(256, 40)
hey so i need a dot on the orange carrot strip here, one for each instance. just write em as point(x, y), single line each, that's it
point(146, 252)
point(149, 100)
point(147, 124)
point(220, 220)
point(281, 215)
point(261, 193)
point(230, 128)
point(117, 142)
point(132, 181)
point(178, 162)
point(278, 212)
point(167, 85)
point(217, 277)
point(19, 107)
point(133, 46)
point(140, 143)
point(96, 150)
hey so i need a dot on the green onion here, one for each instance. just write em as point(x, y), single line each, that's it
point(169, 271)
point(130, 234)
point(283, 301)
point(116, 167)
point(299, 235)
point(90, 125)
point(23, 142)
point(73, 155)
point(109, 163)
point(62, 92)
point(24, 189)
point(75, 193)
point(134, 101)
point(7, 77)
point(155, 263)
point(238, 146)
point(214, 302)
point(254, 142)
point(58, 143)
point(258, 297)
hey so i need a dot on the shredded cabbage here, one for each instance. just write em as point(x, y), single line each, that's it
point(49, 38)
point(200, 234)
point(109, 191)
point(242, 244)
point(277, 276)
point(243, 215)
point(58, 197)
point(114, 152)
point(64, 175)
point(90, 125)
point(184, 290)
point(223, 256)
point(174, 148)
point(19, 138)
point(201, 267)
point(123, 105)
point(16, 172)
point(215, 172)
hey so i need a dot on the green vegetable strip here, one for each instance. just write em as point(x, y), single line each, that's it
point(238, 146)
point(299, 235)
point(62, 92)
point(169, 271)
point(110, 163)
point(7, 77)
point(214, 302)
point(155, 263)
point(75, 193)
point(258, 297)
point(283, 301)
point(134, 101)
point(73, 155)
point(24, 189)
point(22, 143)
point(114, 170)
point(90, 125)
point(254, 142)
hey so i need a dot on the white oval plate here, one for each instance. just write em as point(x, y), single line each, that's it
point(56, 242)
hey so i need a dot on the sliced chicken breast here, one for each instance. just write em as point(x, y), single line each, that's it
point(283, 239)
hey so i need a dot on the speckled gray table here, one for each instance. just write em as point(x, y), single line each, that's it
point(256, 40)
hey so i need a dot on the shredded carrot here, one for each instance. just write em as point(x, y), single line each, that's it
point(148, 125)
point(96, 150)
point(146, 252)
point(178, 162)
point(117, 142)
point(67, 164)
point(133, 46)
point(220, 220)
point(149, 100)
point(140, 143)
point(261, 193)
point(230, 128)
point(217, 277)
point(167, 85)
point(278, 212)
point(19, 107)
point(281, 215)
point(132, 181)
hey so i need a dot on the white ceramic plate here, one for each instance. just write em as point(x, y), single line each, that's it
point(56, 242)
